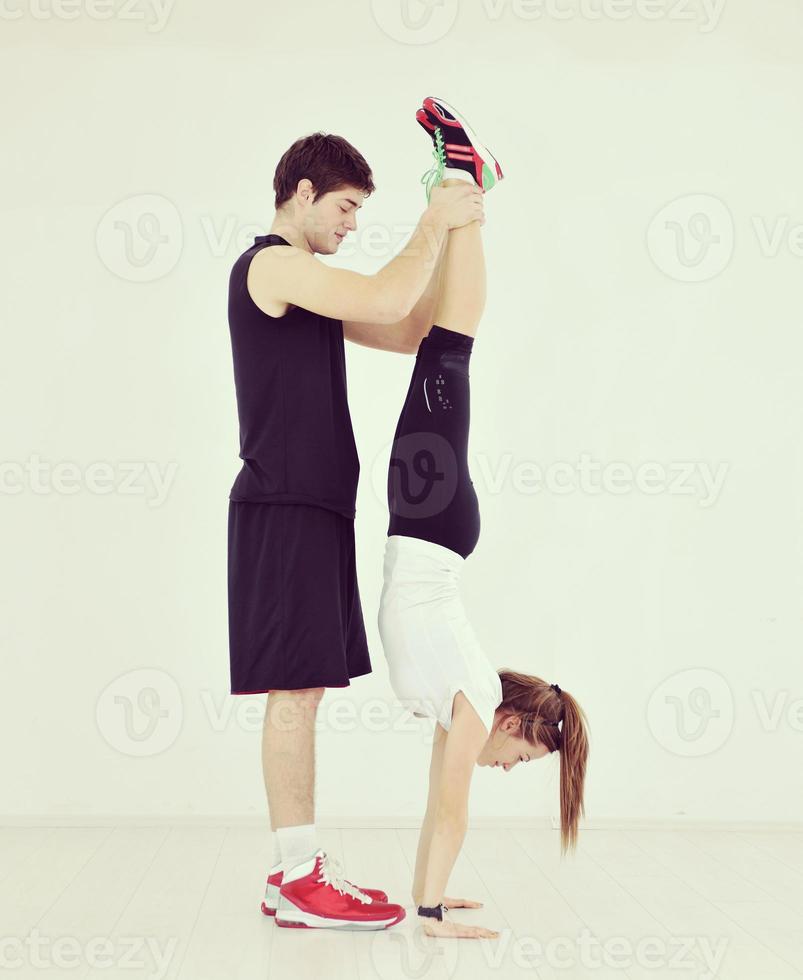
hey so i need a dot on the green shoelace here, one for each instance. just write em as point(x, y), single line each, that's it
point(435, 174)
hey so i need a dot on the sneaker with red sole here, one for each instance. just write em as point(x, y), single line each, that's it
point(314, 895)
point(274, 883)
point(456, 146)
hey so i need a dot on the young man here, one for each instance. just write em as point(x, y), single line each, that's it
point(295, 619)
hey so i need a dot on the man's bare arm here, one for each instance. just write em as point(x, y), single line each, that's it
point(404, 336)
point(286, 274)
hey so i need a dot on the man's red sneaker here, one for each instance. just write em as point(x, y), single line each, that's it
point(456, 146)
point(314, 895)
point(274, 882)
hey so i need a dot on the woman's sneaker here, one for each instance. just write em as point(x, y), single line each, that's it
point(274, 883)
point(456, 147)
point(314, 895)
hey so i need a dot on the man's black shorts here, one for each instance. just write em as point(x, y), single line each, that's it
point(295, 618)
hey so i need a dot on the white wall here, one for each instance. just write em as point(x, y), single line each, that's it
point(674, 617)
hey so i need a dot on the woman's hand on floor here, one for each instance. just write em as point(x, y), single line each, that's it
point(460, 903)
point(455, 930)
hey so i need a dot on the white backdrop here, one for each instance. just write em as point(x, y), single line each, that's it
point(636, 402)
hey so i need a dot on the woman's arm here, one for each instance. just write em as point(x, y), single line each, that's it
point(449, 810)
point(422, 855)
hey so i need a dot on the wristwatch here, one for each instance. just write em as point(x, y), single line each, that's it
point(435, 911)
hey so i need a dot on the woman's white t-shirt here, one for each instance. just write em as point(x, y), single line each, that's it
point(431, 649)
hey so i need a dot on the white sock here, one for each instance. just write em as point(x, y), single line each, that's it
point(296, 844)
point(277, 850)
point(450, 173)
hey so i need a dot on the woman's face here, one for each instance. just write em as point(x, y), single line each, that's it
point(505, 748)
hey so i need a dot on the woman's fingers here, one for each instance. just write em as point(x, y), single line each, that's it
point(461, 903)
point(475, 932)
point(458, 930)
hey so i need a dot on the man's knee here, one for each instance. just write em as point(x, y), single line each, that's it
point(302, 693)
point(296, 704)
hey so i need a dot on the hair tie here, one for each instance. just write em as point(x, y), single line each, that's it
point(555, 688)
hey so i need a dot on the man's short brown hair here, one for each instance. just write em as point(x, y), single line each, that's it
point(329, 162)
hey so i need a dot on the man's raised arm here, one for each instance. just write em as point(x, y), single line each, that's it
point(286, 274)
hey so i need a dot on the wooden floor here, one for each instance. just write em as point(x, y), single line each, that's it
point(170, 902)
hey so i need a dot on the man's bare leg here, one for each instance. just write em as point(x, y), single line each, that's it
point(461, 300)
point(288, 756)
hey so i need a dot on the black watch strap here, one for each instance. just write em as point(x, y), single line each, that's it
point(435, 911)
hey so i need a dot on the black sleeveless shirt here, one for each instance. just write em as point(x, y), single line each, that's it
point(296, 439)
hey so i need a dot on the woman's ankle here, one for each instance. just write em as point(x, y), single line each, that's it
point(453, 181)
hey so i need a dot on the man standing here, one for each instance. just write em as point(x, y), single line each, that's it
point(295, 619)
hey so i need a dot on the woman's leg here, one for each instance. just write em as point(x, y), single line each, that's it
point(461, 300)
point(430, 491)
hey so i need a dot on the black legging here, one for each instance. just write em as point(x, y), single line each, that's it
point(430, 492)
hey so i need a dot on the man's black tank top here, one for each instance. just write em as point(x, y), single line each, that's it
point(296, 439)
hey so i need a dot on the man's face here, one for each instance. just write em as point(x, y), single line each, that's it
point(333, 215)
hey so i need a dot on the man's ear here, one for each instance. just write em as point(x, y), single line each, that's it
point(304, 188)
